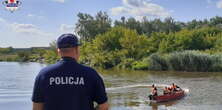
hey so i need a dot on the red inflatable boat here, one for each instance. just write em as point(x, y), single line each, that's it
point(168, 97)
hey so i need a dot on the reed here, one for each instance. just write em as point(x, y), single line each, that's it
point(157, 62)
point(186, 61)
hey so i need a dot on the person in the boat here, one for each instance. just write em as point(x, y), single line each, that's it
point(166, 91)
point(152, 87)
point(154, 92)
point(169, 88)
point(174, 87)
point(178, 88)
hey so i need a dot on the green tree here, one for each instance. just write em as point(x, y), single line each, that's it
point(171, 25)
point(216, 21)
point(112, 47)
point(88, 26)
point(121, 23)
point(146, 27)
point(23, 56)
point(7, 50)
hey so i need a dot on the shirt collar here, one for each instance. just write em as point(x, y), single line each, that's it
point(68, 59)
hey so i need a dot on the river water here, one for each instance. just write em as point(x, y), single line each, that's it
point(127, 90)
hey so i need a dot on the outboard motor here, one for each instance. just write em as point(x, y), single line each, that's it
point(151, 97)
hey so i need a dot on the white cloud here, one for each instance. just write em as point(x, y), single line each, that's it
point(29, 29)
point(219, 4)
point(24, 28)
point(65, 28)
point(140, 8)
point(60, 1)
point(35, 16)
point(118, 10)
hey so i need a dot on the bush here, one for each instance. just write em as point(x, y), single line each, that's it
point(51, 56)
point(126, 63)
point(140, 65)
point(23, 56)
point(117, 47)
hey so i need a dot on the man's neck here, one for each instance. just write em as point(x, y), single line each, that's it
point(71, 57)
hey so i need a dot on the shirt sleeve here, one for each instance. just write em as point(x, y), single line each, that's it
point(100, 92)
point(37, 95)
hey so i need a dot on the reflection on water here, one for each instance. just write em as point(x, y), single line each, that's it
point(127, 90)
point(166, 104)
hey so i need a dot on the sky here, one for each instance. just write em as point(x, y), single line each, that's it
point(39, 22)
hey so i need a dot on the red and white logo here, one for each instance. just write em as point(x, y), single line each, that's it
point(12, 5)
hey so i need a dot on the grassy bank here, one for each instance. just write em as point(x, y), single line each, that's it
point(8, 58)
point(23, 54)
point(186, 61)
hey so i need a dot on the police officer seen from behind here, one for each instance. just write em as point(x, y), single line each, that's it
point(68, 85)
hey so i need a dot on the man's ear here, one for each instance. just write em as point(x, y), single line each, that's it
point(58, 51)
point(77, 50)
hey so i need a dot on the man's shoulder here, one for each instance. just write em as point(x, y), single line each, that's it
point(87, 68)
point(49, 68)
point(81, 68)
point(53, 67)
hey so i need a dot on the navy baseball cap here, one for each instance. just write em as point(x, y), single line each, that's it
point(67, 41)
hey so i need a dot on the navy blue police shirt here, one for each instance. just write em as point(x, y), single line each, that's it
point(68, 85)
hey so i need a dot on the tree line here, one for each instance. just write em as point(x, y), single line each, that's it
point(88, 26)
